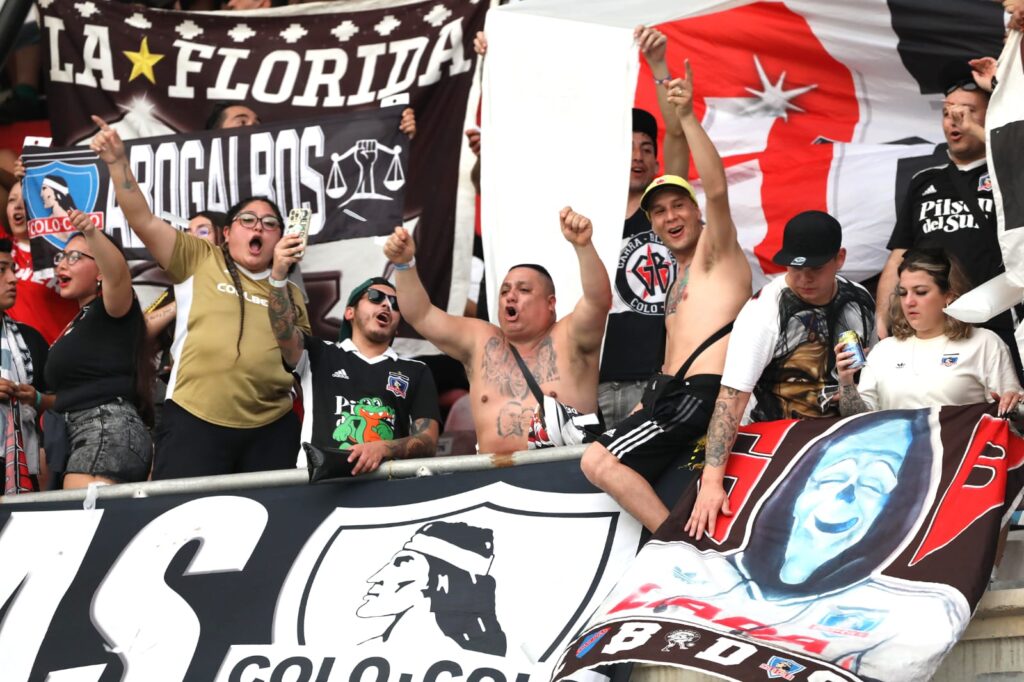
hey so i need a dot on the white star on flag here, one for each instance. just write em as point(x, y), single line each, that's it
point(437, 15)
point(344, 30)
point(386, 25)
point(138, 21)
point(293, 33)
point(241, 33)
point(774, 101)
point(86, 9)
point(188, 29)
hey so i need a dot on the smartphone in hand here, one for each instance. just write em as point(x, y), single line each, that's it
point(298, 223)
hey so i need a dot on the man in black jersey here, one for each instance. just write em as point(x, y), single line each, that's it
point(950, 206)
point(366, 399)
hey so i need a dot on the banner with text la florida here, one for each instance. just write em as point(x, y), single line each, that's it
point(857, 550)
point(348, 169)
point(469, 577)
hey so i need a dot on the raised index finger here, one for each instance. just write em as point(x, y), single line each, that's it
point(101, 123)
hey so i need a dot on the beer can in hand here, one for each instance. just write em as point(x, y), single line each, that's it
point(851, 344)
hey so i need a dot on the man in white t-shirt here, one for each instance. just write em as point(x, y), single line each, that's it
point(781, 350)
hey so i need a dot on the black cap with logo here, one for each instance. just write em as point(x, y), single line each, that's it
point(811, 238)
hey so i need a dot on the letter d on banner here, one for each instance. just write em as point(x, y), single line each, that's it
point(151, 628)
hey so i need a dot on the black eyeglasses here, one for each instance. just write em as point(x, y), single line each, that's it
point(965, 85)
point(249, 220)
point(72, 256)
point(376, 296)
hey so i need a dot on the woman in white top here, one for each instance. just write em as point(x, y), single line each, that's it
point(931, 359)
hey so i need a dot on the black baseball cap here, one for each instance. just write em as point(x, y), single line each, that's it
point(346, 325)
point(644, 122)
point(811, 238)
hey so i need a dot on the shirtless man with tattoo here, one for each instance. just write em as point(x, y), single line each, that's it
point(714, 281)
point(562, 355)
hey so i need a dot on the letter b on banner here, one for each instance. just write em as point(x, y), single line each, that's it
point(630, 636)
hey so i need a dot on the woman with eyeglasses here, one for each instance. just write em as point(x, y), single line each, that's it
point(98, 370)
point(931, 359)
point(229, 405)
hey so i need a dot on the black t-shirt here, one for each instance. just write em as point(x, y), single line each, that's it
point(358, 399)
point(93, 361)
point(933, 214)
point(634, 341)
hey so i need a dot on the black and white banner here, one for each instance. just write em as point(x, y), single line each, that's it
point(348, 169)
point(151, 73)
point(472, 576)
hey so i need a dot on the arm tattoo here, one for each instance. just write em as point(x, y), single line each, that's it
point(127, 182)
point(850, 401)
point(282, 314)
point(721, 431)
point(418, 444)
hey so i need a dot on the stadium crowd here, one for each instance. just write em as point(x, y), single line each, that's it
point(82, 359)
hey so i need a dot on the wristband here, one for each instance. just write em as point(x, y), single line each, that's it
point(663, 81)
point(279, 283)
point(406, 266)
point(39, 399)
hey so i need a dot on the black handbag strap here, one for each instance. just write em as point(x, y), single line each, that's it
point(708, 342)
point(969, 198)
point(531, 382)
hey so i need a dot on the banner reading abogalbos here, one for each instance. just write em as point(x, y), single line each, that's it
point(471, 576)
point(154, 72)
point(857, 550)
point(349, 169)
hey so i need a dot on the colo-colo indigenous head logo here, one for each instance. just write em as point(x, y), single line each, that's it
point(55, 189)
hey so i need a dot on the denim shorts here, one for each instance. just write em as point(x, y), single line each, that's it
point(109, 440)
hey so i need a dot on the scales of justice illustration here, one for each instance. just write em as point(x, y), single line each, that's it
point(366, 154)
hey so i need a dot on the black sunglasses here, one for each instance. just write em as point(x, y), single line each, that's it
point(965, 85)
point(377, 296)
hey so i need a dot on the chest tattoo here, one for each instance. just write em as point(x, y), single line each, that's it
point(499, 367)
point(677, 293)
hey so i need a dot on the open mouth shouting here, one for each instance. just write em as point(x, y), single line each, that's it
point(256, 245)
point(384, 318)
point(511, 313)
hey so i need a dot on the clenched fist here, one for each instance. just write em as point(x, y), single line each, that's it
point(576, 227)
point(400, 247)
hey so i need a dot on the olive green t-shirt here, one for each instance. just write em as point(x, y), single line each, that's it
point(213, 381)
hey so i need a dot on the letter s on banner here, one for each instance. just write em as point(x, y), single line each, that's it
point(630, 636)
point(43, 571)
point(152, 629)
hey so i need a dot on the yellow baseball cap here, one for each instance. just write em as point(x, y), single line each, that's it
point(663, 182)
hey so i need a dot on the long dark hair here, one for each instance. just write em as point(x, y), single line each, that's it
point(64, 199)
point(233, 268)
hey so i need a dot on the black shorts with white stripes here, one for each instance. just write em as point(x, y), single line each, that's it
point(674, 414)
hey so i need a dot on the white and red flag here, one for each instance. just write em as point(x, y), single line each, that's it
point(823, 104)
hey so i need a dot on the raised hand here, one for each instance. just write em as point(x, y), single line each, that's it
point(983, 70)
point(400, 247)
point(286, 253)
point(81, 221)
point(107, 143)
point(652, 43)
point(680, 93)
point(408, 123)
point(576, 227)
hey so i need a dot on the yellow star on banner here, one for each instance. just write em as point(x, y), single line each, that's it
point(142, 62)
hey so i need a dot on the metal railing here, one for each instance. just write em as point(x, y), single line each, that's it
point(406, 468)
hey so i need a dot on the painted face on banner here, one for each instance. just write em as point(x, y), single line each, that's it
point(398, 586)
point(844, 496)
